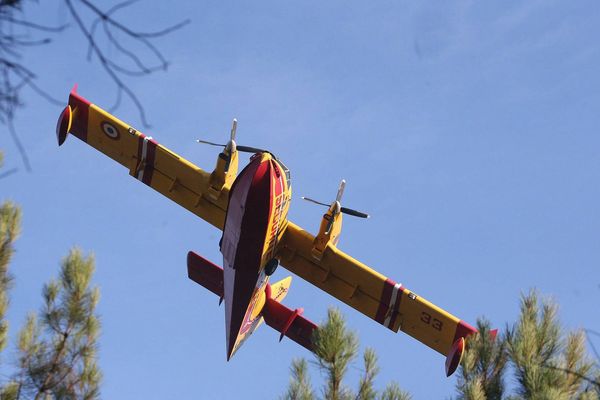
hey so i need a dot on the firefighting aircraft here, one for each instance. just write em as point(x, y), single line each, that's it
point(251, 209)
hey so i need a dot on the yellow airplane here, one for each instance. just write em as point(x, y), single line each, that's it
point(251, 209)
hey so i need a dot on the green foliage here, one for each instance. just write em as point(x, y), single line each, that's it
point(300, 387)
point(483, 365)
point(57, 348)
point(366, 391)
point(335, 349)
point(393, 392)
point(10, 226)
point(547, 364)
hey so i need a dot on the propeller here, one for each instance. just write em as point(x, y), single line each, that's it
point(337, 204)
point(231, 145)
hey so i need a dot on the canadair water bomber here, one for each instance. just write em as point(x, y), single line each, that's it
point(250, 208)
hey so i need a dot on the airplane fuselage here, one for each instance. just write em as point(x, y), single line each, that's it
point(255, 221)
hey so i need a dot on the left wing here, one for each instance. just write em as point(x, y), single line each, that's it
point(153, 164)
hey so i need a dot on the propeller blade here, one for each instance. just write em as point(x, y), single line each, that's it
point(314, 201)
point(340, 192)
point(355, 213)
point(248, 149)
point(233, 129)
point(211, 143)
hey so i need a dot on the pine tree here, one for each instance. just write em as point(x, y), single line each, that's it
point(300, 387)
point(482, 372)
point(57, 349)
point(10, 223)
point(547, 364)
point(335, 349)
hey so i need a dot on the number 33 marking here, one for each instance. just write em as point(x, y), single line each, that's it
point(434, 322)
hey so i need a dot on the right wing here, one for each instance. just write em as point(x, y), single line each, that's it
point(153, 164)
point(372, 293)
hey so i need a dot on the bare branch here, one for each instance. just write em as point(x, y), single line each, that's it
point(8, 173)
point(141, 56)
point(587, 334)
point(29, 24)
point(577, 374)
point(15, 137)
point(113, 68)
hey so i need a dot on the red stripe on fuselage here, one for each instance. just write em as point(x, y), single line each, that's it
point(384, 301)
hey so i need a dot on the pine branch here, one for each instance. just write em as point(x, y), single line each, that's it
point(300, 387)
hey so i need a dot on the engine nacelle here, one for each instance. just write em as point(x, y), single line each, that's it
point(329, 231)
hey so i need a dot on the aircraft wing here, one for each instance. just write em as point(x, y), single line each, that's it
point(153, 164)
point(371, 293)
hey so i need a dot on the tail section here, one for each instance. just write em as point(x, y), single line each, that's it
point(280, 289)
point(265, 305)
point(289, 323)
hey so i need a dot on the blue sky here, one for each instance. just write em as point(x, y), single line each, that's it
point(468, 130)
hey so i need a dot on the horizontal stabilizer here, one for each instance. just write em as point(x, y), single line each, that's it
point(289, 323)
point(205, 273)
point(286, 321)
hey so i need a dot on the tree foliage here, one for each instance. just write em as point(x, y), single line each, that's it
point(547, 363)
point(56, 348)
point(483, 366)
point(10, 225)
point(335, 349)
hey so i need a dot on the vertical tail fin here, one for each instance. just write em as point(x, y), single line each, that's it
point(280, 289)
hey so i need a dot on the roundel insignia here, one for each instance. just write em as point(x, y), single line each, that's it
point(110, 130)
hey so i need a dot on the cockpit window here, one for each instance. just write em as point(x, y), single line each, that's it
point(286, 170)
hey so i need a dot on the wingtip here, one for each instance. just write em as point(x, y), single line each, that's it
point(63, 125)
point(74, 89)
point(455, 356)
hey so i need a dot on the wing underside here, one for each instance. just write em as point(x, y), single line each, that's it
point(354, 283)
point(147, 160)
point(370, 292)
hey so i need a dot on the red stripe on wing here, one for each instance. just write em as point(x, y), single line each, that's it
point(396, 308)
point(150, 156)
point(80, 107)
point(463, 330)
point(386, 300)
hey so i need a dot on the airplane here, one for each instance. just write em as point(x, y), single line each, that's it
point(251, 208)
